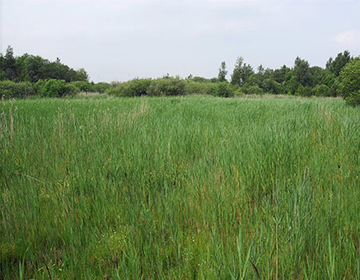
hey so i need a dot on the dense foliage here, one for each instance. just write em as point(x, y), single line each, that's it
point(10, 89)
point(30, 68)
point(29, 75)
point(136, 87)
point(56, 88)
point(350, 82)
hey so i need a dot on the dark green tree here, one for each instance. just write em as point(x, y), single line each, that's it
point(81, 75)
point(349, 82)
point(9, 64)
point(280, 74)
point(335, 65)
point(2, 67)
point(241, 73)
point(222, 72)
point(301, 72)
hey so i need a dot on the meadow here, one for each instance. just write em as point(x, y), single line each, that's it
point(179, 188)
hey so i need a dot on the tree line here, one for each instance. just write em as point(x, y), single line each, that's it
point(30, 75)
point(33, 75)
point(30, 68)
point(301, 79)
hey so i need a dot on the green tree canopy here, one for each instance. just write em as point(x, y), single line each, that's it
point(302, 72)
point(241, 73)
point(32, 68)
point(350, 82)
point(222, 72)
point(335, 65)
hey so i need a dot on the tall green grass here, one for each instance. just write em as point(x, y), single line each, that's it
point(186, 187)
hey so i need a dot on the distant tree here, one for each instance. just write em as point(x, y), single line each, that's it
point(255, 80)
point(241, 73)
point(301, 72)
point(222, 72)
point(291, 84)
point(201, 79)
point(263, 78)
point(335, 65)
point(261, 70)
point(280, 74)
point(2, 67)
point(82, 75)
point(32, 68)
point(331, 81)
point(349, 82)
point(9, 64)
point(318, 75)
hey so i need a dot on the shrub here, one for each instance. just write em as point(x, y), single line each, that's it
point(83, 86)
point(201, 80)
point(71, 89)
point(322, 90)
point(101, 87)
point(223, 89)
point(39, 85)
point(304, 91)
point(136, 87)
point(200, 88)
point(353, 98)
point(277, 88)
point(55, 88)
point(238, 92)
point(10, 89)
point(169, 87)
point(349, 82)
point(252, 90)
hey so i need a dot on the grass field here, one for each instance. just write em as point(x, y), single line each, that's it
point(179, 188)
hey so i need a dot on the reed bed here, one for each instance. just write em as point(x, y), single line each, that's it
point(179, 188)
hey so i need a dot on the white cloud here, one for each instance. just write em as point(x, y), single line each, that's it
point(348, 38)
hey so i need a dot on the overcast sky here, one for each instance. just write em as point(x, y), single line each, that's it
point(124, 39)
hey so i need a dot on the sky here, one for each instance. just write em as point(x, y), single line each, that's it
point(118, 40)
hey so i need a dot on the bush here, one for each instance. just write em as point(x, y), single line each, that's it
point(83, 86)
point(55, 88)
point(101, 87)
point(71, 89)
point(168, 87)
point(349, 82)
point(10, 89)
point(200, 88)
point(200, 80)
point(353, 98)
point(277, 88)
point(304, 91)
point(223, 89)
point(322, 90)
point(252, 90)
point(136, 87)
point(39, 85)
point(238, 92)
